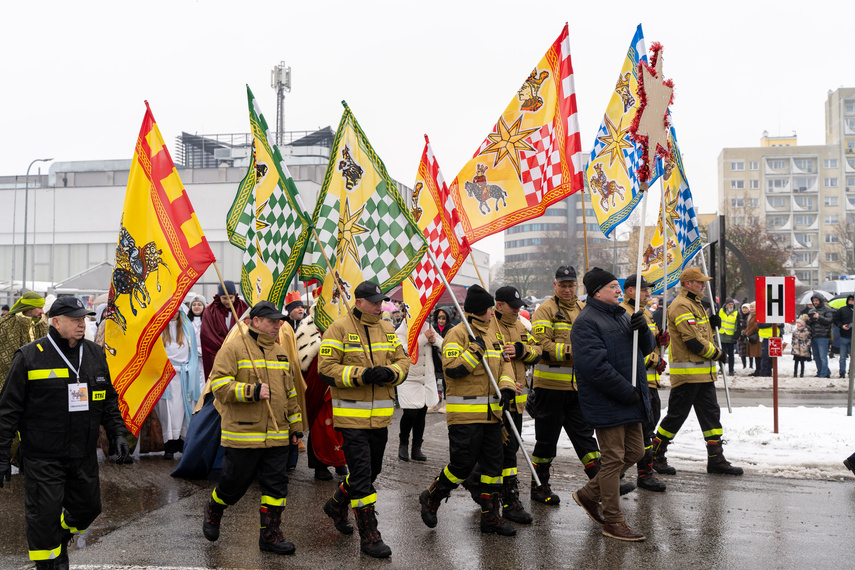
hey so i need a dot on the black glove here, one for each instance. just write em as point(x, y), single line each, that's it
point(370, 376)
point(519, 350)
point(378, 375)
point(635, 398)
point(5, 466)
point(660, 368)
point(478, 341)
point(715, 321)
point(297, 434)
point(508, 395)
point(387, 375)
point(638, 321)
point(663, 339)
point(722, 357)
point(123, 452)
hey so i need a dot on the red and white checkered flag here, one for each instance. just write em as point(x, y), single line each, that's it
point(439, 220)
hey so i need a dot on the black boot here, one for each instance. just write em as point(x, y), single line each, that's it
point(45, 564)
point(213, 515)
point(270, 538)
point(716, 463)
point(660, 462)
point(417, 454)
point(591, 470)
point(337, 509)
point(430, 500)
point(491, 520)
point(323, 473)
point(61, 561)
point(369, 537)
point(646, 476)
point(472, 484)
point(169, 449)
point(512, 508)
point(403, 449)
point(543, 493)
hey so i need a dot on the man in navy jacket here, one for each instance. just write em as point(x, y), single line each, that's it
point(611, 400)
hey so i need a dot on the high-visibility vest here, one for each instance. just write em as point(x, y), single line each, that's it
point(728, 322)
point(765, 332)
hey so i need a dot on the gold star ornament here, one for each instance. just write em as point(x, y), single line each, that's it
point(651, 122)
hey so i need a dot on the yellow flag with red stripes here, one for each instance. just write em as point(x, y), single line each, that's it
point(161, 252)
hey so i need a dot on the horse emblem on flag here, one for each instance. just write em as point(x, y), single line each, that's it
point(480, 190)
point(351, 171)
point(600, 184)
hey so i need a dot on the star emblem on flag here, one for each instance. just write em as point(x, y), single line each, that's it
point(615, 140)
point(507, 142)
point(348, 228)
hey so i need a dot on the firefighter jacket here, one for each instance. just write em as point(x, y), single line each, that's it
point(470, 397)
point(692, 352)
point(504, 328)
point(42, 390)
point(551, 326)
point(236, 376)
point(652, 360)
point(727, 332)
point(342, 361)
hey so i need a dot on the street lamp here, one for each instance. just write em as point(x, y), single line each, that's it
point(26, 203)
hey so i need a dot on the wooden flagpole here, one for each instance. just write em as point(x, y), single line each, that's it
point(475, 265)
point(242, 334)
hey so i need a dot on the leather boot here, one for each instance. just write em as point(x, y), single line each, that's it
point(592, 468)
point(512, 508)
point(660, 462)
point(403, 449)
point(270, 538)
point(169, 449)
point(417, 454)
point(213, 516)
point(646, 477)
point(543, 493)
point(491, 520)
point(622, 531)
point(45, 564)
point(716, 463)
point(369, 537)
point(430, 500)
point(593, 510)
point(337, 508)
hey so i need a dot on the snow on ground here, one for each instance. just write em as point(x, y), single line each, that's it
point(811, 442)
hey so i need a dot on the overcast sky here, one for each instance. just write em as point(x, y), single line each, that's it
point(75, 74)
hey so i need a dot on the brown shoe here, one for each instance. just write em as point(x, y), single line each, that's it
point(621, 531)
point(594, 511)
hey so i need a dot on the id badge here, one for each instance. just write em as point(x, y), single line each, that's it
point(78, 397)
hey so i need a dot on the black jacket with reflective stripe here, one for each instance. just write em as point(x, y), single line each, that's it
point(35, 400)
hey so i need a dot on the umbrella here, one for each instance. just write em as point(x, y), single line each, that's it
point(805, 298)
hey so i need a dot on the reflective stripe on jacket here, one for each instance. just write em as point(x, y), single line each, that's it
point(508, 329)
point(551, 326)
point(246, 422)
point(342, 361)
point(687, 320)
point(471, 399)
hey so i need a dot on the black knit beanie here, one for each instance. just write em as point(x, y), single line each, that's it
point(596, 279)
point(477, 300)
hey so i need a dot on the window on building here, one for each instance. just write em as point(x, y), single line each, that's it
point(737, 202)
point(805, 164)
point(777, 184)
point(753, 165)
point(850, 124)
point(737, 184)
point(776, 221)
point(753, 220)
point(832, 238)
point(830, 276)
point(593, 227)
point(849, 106)
point(753, 184)
point(753, 202)
point(777, 201)
point(804, 184)
point(830, 163)
point(801, 257)
point(805, 202)
point(805, 239)
point(832, 257)
point(804, 276)
point(804, 220)
point(738, 220)
point(737, 165)
point(850, 183)
point(831, 220)
point(780, 239)
point(830, 182)
point(777, 164)
point(831, 201)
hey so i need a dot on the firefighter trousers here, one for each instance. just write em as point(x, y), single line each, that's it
point(683, 398)
point(469, 444)
point(363, 450)
point(60, 496)
point(242, 465)
point(557, 409)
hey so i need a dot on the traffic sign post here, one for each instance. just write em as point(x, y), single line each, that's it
point(775, 304)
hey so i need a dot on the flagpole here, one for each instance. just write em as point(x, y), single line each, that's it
point(475, 265)
point(242, 334)
point(664, 263)
point(585, 225)
point(510, 418)
point(717, 334)
point(638, 279)
point(338, 286)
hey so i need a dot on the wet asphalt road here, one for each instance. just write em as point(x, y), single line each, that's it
point(151, 520)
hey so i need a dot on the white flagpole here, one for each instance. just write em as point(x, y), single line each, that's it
point(638, 281)
point(510, 422)
point(664, 261)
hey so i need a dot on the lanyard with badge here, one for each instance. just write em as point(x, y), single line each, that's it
point(78, 393)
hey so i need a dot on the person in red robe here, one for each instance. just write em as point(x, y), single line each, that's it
point(217, 321)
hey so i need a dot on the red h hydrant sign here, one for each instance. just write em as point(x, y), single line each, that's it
point(776, 347)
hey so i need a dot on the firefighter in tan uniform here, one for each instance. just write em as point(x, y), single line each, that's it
point(363, 400)
point(693, 373)
point(521, 350)
point(474, 413)
point(556, 401)
point(655, 366)
point(244, 382)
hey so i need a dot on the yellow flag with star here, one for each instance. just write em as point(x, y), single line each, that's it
point(363, 225)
